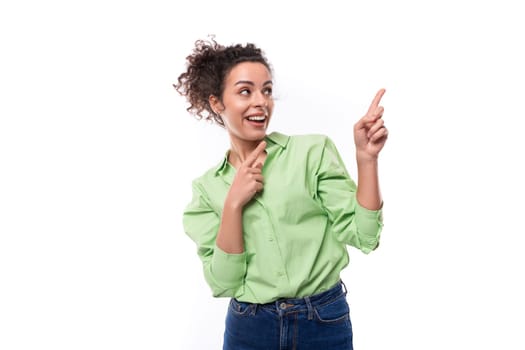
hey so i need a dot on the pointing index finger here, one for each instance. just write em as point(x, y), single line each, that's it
point(255, 154)
point(377, 99)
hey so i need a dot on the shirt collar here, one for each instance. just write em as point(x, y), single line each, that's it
point(278, 138)
point(275, 139)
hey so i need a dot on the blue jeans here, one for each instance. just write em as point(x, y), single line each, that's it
point(321, 321)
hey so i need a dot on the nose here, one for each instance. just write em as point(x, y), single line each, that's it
point(260, 100)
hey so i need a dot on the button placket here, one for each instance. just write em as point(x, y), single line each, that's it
point(280, 273)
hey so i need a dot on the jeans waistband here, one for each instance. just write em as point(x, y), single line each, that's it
point(314, 300)
point(306, 304)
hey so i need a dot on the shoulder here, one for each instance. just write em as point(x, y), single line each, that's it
point(300, 140)
point(208, 177)
point(307, 150)
point(314, 145)
point(311, 139)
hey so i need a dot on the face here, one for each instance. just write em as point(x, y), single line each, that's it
point(247, 102)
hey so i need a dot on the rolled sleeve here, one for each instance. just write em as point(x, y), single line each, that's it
point(369, 224)
point(223, 272)
point(227, 268)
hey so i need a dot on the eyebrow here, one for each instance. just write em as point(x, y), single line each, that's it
point(251, 82)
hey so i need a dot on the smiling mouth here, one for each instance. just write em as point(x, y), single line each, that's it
point(257, 118)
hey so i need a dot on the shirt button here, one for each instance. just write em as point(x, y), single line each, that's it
point(270, 239)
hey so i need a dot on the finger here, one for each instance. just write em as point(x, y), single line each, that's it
point(255, 154)
point(375, 127)
point(370, 118)
point(362, 123)
point(379, 134)
point(256, 187)
point(254, 170)
point(375, 102)
point(378, 113)
point(258, 178)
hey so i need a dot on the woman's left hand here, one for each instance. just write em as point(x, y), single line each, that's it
point(370, 133)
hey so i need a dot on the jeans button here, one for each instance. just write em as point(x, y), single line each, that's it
point(283, 306)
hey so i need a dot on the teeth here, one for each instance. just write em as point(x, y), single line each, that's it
point(257, 118)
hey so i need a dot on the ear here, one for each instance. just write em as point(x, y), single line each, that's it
point(215, 104)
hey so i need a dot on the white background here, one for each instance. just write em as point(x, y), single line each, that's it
point(97, 154)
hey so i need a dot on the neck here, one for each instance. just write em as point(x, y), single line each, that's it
point(240, 150)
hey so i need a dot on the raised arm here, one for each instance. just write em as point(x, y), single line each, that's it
point(370, 136)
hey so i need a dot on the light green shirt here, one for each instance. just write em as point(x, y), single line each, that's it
point(296, 231)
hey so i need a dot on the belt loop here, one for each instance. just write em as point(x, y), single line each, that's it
point(310, 308)
point(344, 287)
point(254, 309)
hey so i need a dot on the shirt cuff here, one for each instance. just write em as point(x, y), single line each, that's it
point(228, 269)
point(369, 224)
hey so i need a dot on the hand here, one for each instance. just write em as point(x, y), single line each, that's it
point(370, 133)
point(248, 180)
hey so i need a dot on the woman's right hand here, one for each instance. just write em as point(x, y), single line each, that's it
point(248, 181)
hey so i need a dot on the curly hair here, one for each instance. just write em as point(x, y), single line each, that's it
point(207, 68)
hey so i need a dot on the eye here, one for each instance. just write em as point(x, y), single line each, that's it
point(268, 91)
point(244, 91)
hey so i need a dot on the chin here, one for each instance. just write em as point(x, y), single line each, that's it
point(255, 133)
point(258, 135)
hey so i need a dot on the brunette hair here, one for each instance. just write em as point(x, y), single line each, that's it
point(207, 68)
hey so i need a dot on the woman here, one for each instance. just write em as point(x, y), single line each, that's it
point(272, 221)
